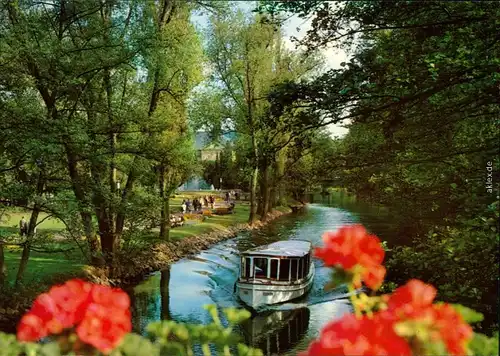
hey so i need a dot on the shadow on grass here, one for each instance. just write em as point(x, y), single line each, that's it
point(43, 267)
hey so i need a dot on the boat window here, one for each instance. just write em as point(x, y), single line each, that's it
point(301, 268)
point(284, 270)
point(248, 262)
point(305, 270)
point(260, 265)
point(274, 268)
point(242, 267)
point(294, 269)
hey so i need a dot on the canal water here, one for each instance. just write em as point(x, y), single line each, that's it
point(209, 277)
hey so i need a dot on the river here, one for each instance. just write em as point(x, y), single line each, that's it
point(208, 278)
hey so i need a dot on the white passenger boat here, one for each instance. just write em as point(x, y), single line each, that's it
point(275, 273)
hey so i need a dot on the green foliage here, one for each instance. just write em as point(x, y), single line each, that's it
point(249, 59)
point(94, 101)
point(420, 91)
point(165, 338)
point(172, 338)
point(458, 255)
point(481, 345)
point(469, 315)
point(11, 347)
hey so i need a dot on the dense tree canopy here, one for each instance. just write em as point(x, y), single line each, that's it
point(421, 92)
point(93, 100)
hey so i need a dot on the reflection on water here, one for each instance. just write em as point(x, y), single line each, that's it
point(209, 277)
point(276, 332)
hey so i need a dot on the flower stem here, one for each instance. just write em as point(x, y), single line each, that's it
point(353, 298)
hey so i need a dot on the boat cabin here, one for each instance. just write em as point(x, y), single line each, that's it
point(275, 263)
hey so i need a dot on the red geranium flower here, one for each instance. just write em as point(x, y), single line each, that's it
point(60, 308)
point(110, 297)
point(352, 246)
point(453, 330)
point(104, 327)
point(31, 328)
point(412, 299)
point(373, 276)
point(101, 313)
point(365, 336)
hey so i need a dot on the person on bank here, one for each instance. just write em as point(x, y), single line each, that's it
point(23, 227)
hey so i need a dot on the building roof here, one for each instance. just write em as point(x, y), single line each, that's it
point(290, 248)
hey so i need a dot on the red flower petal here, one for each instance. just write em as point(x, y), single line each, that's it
point(412, 299)
point(374, 276)
point(453, 330)
point(31, 328)
point(104, 327)
point(110, 297)
point(352, 336)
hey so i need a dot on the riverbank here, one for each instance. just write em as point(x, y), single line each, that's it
point(130, 269)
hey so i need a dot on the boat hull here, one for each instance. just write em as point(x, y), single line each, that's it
point(256, 295)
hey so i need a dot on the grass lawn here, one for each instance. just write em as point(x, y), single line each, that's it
point(10, 221)
point(42, 266)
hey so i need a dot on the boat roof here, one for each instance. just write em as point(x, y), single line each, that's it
point(295, 248)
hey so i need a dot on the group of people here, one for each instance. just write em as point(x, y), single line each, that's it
point(197, 204)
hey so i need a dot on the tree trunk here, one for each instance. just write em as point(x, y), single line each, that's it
point(27, 246)
point(92, 241)
point(108, 239)
point(82, 201)
point(272, 190)
point(165, 207)
point(280, 172)
point(120, 216)
point(260, 193)
point(3, 266)
point(165, 294)
point(265, 193)
point(253, 192)
point(31, 230)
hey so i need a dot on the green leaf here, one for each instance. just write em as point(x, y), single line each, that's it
point(51, 349)
point(469, 315)
point(9, 345)
point(134, 344)
point(481, 345)
point(236, 316)
point(244, 350)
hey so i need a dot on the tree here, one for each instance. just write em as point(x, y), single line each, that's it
point(249, 59)
point(421, 91)
point(175, 68)
point(239, 49)
point(109, 83)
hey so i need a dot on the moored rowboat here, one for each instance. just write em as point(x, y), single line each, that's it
point(275, 273)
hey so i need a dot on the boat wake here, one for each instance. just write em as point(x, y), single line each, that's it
point(339, 298)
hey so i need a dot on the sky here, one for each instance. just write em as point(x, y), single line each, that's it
point(295, 27)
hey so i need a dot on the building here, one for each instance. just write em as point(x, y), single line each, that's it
point(207, 149)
